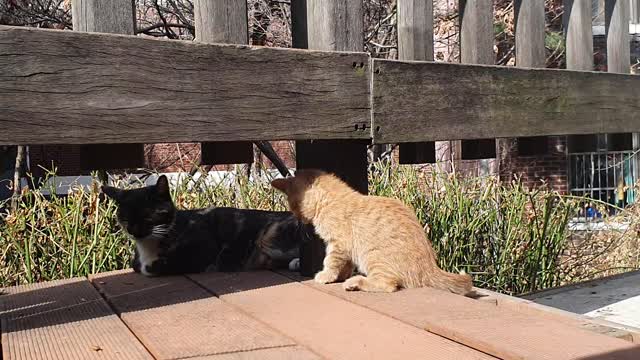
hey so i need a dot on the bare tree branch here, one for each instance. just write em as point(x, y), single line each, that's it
point(145, 30)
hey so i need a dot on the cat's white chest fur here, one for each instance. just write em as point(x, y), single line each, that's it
point(147, 254)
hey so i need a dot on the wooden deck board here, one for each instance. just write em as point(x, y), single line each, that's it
point(175, 318)
point(64, 320)
point(528, 307)
point(283, 353)
point(329, 326)
point(599, 326)
point(264, 315)
point(500, 332)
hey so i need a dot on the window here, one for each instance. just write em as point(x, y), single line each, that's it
point(603, 167)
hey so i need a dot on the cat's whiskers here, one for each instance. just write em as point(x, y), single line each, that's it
point(160, 231)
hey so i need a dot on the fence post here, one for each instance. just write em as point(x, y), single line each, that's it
point(415, 42)
point(578, 34)
point(223, 21)
point(116, 17)
point(617, 16)
point(529, 19)
point(476, 47)
point(333, 25)
point(618, 39)
point(529, 28)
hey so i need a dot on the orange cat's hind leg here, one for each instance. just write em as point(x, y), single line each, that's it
point(370, 284)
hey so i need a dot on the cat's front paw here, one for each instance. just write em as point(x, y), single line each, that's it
point(294, 265)
point(325, 277)
point(147, 271)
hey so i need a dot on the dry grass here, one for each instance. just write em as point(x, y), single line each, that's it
point(511, 239)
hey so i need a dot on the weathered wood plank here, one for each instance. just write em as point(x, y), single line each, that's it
point(617, 15)
point(115, 17)
point(331, 25)
point(98, 88)
point(281, 353)
point(476, 47)
point(335, 25)
point(578, 34)
point(618, 39)
point(175, 318)
point(64, 319)
point(328, 326)
point(542, 311)
point(529, 29)
point(223, 21)
point(501, 332)
point(530, 53)
point(476, 32)
point(415, 30)
point(415, 42)
point(452, 101)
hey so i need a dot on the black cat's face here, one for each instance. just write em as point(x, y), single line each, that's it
point(144, 213)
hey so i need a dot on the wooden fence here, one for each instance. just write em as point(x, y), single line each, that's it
point(62, 87)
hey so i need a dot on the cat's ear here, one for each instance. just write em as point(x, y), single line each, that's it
point(162, 186)
point(282, 184)
point(114, 193)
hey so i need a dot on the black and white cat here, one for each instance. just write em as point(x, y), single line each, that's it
point(171, 241)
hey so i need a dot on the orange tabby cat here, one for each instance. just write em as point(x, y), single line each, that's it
point(381, 236)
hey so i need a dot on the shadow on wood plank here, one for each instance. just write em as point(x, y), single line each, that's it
point(48, 304)
point(67, 301)
point(61, 320)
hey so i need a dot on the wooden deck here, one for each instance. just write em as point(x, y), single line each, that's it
point(266, 315)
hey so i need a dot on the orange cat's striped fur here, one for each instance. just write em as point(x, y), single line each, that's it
point(380, 236)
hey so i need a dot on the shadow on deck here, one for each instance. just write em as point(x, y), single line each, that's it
point(265, 315)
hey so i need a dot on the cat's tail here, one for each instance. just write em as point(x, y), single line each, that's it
point(461, 283)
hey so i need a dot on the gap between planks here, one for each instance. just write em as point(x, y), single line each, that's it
point(113, 309)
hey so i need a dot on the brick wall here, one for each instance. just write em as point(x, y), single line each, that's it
point(549, 168)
